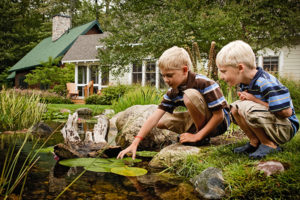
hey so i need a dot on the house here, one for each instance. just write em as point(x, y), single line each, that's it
point(285, 61)
point(63, 37)
point(84, 54)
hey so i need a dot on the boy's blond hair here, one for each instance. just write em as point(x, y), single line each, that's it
point(236, 52)
point(174, 58)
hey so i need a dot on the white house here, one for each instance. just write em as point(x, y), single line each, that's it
point(285, 61)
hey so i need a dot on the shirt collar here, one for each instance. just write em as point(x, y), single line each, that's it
point(257, 75)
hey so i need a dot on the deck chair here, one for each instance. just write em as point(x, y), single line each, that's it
point(89, 89)
point(72, 91)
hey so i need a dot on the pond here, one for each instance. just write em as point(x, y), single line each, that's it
point(47, 179)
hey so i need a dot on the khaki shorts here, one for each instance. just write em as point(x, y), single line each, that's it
point(181, 122)
point(279, 130)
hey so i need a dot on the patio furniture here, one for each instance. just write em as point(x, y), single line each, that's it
point(72, 91)
point(89, 89)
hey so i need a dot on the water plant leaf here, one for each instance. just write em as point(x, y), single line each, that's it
point(96, 167)
point(146, 153)
point(83, 162)
point(129, 171)
point(127, 160)
point(46, 150)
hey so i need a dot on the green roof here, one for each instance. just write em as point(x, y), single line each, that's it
point(46, 48)
point(11, 75)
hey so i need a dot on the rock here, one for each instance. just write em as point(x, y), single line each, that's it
point(270, 167)
point(113, 130)
point(108, 112)
point(171, 154)
point(42, 129)
point(210, 183)
point(84, 111)
point(64, 110)
point(130, 122)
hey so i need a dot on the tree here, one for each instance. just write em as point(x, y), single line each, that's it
point(160, 24)
point(50, 75)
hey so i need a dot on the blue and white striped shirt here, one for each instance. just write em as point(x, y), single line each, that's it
point(267, 88)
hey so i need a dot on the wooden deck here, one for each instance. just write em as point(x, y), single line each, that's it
point(78, 101)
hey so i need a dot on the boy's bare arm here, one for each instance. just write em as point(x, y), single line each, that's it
point(215, 120)
point(247, 96)
point(282, 113)
point(146, 128)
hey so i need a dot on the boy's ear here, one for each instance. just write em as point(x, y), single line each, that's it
point(185, 69)
point(241, 67)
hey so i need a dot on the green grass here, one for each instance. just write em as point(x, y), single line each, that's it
point(97, 109)
point(242, 180)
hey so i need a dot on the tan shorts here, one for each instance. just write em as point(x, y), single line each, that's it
point(181, 122)
point(279, 130)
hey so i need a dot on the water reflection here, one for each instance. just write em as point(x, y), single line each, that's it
point(47, 179)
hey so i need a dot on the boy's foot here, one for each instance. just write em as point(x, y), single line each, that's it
point(202, 142)
point(262, 151)
point(247, 148)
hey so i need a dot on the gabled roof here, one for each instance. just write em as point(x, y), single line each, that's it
point(84, 49)
point(47, 48)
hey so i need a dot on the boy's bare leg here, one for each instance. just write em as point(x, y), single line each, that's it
point(198, 117)
point(254, 140)
point(263, 138)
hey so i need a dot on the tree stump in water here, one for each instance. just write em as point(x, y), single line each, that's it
point(93, 145)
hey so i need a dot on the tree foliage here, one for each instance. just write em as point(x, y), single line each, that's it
point(49, 74)
point(161, 24)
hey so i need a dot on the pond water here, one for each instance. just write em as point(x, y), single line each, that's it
point(48, 179)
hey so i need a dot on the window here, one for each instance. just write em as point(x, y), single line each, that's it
point(137, 72)
point(150, 73)
point(270, 63)
point(82, 74)
point(94, 75)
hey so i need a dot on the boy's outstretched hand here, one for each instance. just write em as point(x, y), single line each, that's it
point(132, 148)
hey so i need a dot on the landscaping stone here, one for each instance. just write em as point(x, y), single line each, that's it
point(108, 112)
point(129, 123)
point(270, 167)
point(84, 111)
point(64, 110)
point(210, 183)
point(42, 129)
point(171, 154)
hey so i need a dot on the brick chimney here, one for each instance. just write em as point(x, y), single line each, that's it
point(60, 24)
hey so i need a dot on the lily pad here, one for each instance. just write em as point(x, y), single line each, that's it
point(129, 171)
point(103, 167)
point(46, 150)
point(146, 153)
point(84, 162)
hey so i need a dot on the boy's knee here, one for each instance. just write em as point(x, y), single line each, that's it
point(186, 100)
point(234, 111)
point(161, 125)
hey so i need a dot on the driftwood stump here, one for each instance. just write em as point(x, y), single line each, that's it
point(93, 144)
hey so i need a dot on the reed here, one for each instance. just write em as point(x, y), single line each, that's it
point(141, 96)
point(18, 111)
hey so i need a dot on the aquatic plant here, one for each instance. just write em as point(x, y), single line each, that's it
point(141, 96)
point(18, 112)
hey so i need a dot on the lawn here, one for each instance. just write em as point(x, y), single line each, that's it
point(97, 109)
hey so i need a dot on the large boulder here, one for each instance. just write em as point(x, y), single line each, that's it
point(171, 154)
point(130, 121)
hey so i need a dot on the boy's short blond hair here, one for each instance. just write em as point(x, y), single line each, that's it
point(174, 58)
point(236, 52)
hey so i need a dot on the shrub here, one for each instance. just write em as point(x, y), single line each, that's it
point(139, 96)
point(294, 88)
point(45, 96)
point(108, 95)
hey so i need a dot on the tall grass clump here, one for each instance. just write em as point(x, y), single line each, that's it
point(18, 112)
point(141, 96)
point(294, 88)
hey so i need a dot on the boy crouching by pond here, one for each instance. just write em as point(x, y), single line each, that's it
point(265, 110)
point(207, 110)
